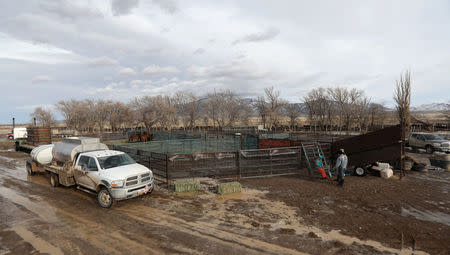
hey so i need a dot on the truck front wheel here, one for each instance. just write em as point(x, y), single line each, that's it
point(104, 198)
point(429, 149)
point(54, 180)
point(29, 169)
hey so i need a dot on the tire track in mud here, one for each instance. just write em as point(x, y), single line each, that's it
point(66, 220)
point(113, 238)
point(205, 230)
point(107, 239)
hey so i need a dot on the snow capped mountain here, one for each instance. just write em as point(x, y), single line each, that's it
point(433, 107)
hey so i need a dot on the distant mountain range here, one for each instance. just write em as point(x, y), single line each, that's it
point(433, 107)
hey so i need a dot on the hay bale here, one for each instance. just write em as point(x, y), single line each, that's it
point(386, 173)
point(187, 186)
point(229, 187)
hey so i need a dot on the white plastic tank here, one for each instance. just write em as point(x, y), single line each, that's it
point(66, 150)
point(42, 154)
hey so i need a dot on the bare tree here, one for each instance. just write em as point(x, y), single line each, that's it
point(212, 107)
point(166, 109)
point(101, 113)
point(274, 107)
point(402, 97)
point(246, 111)
point(346, 102)
point(318, 106)
point(292, 111)
point(145, 112)
point(223, 108)
point(377, 114)
point(362, 113)
point(43, 116)
point(262, 109)
point(74, 112)
point(188, 108)
point(120, 114)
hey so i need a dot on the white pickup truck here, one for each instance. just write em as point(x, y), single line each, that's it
point(88, 164)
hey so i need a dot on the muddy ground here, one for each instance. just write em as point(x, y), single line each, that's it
point(282, 215)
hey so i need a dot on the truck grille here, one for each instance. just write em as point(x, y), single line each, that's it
point(137, 179)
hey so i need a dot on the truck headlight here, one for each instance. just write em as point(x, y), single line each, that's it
point(117, 184)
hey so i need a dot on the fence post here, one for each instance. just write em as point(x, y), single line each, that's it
point(150, 161)
point(167, 171)
point(238, 164)
point(299, 158)
point(270, 158)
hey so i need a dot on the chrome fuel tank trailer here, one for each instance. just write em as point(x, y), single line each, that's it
point(67, 149)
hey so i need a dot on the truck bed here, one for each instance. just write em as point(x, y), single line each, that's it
point(65, 173)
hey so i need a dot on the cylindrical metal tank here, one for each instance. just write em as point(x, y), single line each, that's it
point(66, 150)
point(42, 154)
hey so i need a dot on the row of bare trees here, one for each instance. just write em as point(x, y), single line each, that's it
point(342, 107)
point(345, 108)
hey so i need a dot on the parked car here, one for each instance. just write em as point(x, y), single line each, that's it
point(429, 142)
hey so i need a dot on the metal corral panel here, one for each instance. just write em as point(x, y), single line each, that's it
point(382, 146)
point(38, 135)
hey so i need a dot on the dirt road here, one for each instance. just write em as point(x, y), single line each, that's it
point(36, 218)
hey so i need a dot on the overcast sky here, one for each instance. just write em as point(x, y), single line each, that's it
point(56, 50)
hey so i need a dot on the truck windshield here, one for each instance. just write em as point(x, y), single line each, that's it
point(115, 161)
point(432, 137)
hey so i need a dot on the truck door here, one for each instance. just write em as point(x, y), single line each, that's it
point(421, 141)
point(87, 165)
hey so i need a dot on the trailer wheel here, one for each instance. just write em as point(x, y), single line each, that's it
point(29, 169)
point(54, 180)
point(16, 146)
point(360, 171)
point(104, 198)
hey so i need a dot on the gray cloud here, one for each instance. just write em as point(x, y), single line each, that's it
point(160, 70)
point(123, 7)
point(258, 37)
point(244, 71)
point(42, 79)
point(102, 61)
point(67, 9)
point(199, 51)
point(127, 71)
point(169, 6)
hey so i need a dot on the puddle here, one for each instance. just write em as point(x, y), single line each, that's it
point(426, 215)
point(6, 158)
point(39, 244)
point(43, 210)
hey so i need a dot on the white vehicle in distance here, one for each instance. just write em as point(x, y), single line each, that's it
point(88, 164)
